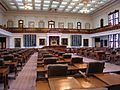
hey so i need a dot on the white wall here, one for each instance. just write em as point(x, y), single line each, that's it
point(103, 13)
point(45, 36)
point(36, 16)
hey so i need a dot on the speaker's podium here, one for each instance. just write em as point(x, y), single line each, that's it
point(56, 47)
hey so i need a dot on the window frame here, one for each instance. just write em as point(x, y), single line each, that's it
point(112, 17)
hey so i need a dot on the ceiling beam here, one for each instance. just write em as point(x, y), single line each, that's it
point(33, 4)
point(42, 2)
point(59, 4)
point(5, 5)
point(50, 4)
point(16, 4)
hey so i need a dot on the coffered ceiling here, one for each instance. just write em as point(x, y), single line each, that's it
point(73, 6)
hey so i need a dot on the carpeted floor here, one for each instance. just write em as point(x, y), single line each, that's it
point(27, 77)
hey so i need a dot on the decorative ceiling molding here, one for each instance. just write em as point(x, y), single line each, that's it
point(3, 6)
point(72, 6)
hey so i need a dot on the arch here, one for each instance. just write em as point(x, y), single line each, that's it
point(101, 22)
point(78, 25)
point(20, 23)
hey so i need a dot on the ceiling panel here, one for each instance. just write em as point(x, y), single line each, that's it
point(73, 6)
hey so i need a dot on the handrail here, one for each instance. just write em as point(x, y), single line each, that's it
point(61, 30)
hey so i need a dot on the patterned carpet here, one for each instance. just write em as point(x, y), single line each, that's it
point(26, 78)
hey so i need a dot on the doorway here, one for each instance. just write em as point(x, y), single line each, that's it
point(2, 42)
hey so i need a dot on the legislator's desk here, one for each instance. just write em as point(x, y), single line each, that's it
point(63, 83)
point(13, 64)
point(4, 74)
point(99, 55)
point(64, 61)
point(90, 82)
point(69, 83)
point(42, 85)
point(109, 78)
point(43, 69)
point(82, 66)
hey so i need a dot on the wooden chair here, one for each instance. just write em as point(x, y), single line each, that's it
point(47, 55)
point(114, 87)
point(50, 60)
point(1, 63)
point(90, 89)
point(95, 67)
point(8, 57)
point(57, 70)
point(67, 56)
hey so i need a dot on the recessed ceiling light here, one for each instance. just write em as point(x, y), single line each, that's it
point(12, 3)
point(64, 3)
point(81, 4)
point(20, 4)
point(69, 6)
point(55, 2)
point(38, 1)
point(75, 0)
point(19, 0)
point(72, 3)
point(47, 1)
point(46, 5)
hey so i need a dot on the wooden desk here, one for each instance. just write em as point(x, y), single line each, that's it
point(14, 64)
point(44, 68)
point(72, 68)
point(63, 83)
point(63, 61)
point(99, 55)
point(90, 82)
point(4, 74)
point(109, 78)
point(81, 66)
point(42, 85)
point(41, 69)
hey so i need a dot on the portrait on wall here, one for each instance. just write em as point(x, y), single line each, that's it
point(64, 41)
point(41, 41)
point(17, 42)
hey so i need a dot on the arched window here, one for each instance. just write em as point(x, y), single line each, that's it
point(41, 24)
point(78, 25)
point(9, 23)
point(20, 23)
point(113, 17)
point(101, 23)
point(51, 24)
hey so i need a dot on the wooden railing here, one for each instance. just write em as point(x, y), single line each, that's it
point(47, 30)
point(106, 28)
point(62, 30)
